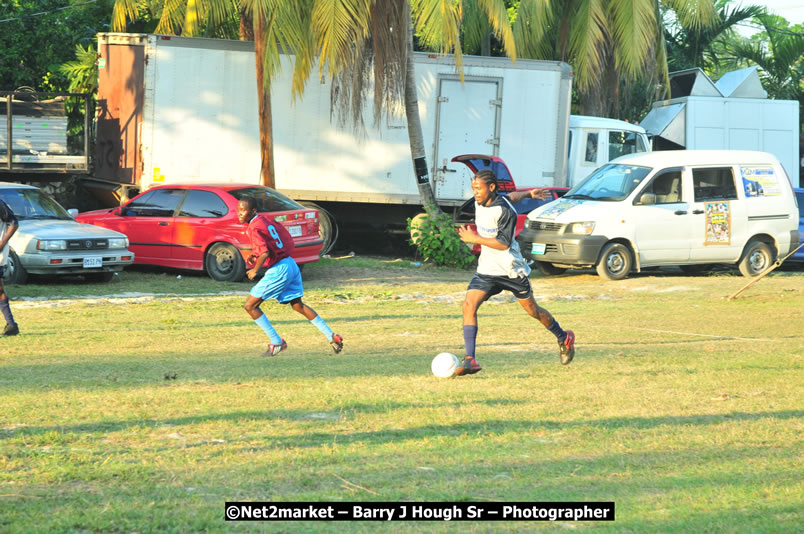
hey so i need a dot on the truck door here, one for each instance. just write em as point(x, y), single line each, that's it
point(589, 154)
point(467, 120)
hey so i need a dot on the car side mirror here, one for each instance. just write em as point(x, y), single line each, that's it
point(647, 199)
point(72, 212)
point(117, 211)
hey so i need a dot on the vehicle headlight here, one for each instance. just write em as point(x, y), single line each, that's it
point(118, 242)
point(582, 228)
point(51, 244)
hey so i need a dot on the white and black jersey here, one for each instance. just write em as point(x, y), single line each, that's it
point(498, 220)
point(7, 220)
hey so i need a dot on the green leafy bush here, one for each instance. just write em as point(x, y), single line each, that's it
point(437, 240)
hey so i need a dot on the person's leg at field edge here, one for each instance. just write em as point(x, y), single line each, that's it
point(566, 338)
point(11, 328)
point(310, 314)
point(471, 303)
point(252, 307)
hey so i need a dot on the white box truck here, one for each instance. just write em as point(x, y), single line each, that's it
point(735, 114)
point(175, 109)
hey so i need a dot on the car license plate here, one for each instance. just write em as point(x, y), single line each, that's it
point(537, 248)
point(93, 261)
point(295, 231)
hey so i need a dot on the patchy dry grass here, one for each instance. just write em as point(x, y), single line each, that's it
point(147, 414)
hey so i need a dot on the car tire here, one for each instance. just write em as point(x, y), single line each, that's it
point(327, 227)
point(224, 263)
point(615, 262)
point(549, 269)
point(14, 273)
point(99, 278)
point(757, 258)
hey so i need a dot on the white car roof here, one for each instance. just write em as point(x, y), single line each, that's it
point(584, 121)
point(669, 158)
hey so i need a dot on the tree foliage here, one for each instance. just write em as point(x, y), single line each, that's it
point(607, 42)
point(37, 36)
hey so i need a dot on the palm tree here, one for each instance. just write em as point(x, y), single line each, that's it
point(605, 41)
point(362, 40)
point(704, 46)
point(83, 72)
point(271, 23)
point(780, 58)
point(354, 40)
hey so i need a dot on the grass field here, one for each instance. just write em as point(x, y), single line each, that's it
point(147, 413)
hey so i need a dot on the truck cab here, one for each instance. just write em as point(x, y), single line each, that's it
point(594, 141)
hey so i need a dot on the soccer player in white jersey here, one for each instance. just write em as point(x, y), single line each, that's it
point(501, 266)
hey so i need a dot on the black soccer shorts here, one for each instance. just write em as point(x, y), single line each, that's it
point(493, 285)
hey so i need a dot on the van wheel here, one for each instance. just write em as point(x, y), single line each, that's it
point(757, 258)
point(615, 262)
point(14, 273)
point(549, 269)
point(224, 263)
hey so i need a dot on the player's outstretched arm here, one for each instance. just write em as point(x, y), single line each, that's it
point(536, 193)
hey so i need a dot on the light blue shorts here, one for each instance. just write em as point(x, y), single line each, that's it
point(282, 282)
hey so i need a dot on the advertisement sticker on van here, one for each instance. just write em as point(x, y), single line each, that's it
point(760, 181)
point(718, 223)
point(559, 208)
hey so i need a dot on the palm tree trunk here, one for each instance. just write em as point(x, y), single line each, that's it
point(415, 132)
point(264, 100)
point(246, 30)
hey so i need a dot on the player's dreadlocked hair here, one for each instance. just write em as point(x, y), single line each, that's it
point(487, 176)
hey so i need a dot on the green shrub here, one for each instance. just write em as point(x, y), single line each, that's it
point(438, 242)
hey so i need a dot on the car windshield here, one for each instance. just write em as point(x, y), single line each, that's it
point(267, 199)
point(32, 204)
point(612, 182)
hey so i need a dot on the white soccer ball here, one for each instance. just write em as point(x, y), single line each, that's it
point(444, 365)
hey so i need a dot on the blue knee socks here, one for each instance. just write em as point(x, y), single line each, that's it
point(4, 307)
point(268, 328)
point(469, 338)
point(560, 334)
point(319, 323)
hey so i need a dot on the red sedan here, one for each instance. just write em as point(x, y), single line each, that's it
point(195, 226)
point(479, 162)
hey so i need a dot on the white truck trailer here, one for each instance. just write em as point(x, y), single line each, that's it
point(175, 109)
point(735, 114)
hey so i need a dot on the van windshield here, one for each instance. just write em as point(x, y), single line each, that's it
point(612, 182)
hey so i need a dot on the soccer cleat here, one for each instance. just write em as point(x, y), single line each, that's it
point(567, 348)
point(11, 330)
point(468, 366)
point(273, 350)
point(337, 343)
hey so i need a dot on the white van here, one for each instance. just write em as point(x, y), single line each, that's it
point(691, 208)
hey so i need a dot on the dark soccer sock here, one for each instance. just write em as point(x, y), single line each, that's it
point(4, 307)
point(560, 334)
point(469, 337)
